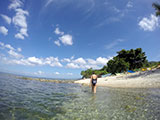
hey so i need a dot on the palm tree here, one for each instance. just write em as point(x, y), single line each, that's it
point(157, 7)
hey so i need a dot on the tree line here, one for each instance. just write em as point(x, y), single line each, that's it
point(133, 59)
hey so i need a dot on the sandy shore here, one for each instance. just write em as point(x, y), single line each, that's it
point(147, 79)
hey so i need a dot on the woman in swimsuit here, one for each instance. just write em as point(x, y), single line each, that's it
point(93, 82)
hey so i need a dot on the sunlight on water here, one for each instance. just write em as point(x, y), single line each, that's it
point(107, 104)
point(23, 99)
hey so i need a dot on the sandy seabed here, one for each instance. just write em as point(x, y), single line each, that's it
point(146, 79)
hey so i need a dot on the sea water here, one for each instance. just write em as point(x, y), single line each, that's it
point(34, 100)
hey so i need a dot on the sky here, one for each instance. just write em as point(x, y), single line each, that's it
point(60, 38)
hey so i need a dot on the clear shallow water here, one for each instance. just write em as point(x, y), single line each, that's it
point(28, 99)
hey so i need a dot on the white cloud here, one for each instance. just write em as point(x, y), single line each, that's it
point(19, 36)
point(57, 43)
point(48, 2)
point(15, 4)
point(57, 73)
point(91, 66)
point(15, 54)
point(9, 47)
point(24, 62)
point(35, 61)
point(80, 61)
point(20, 11)
point(115, 9)
point(149, 24)
point(17, 58)
point(91, 61)
point(39, 73)
point(1, 44)
point(58, 32)
point(53, 62)
point(114, 43)
point(12, 51)
point(19, 49)
point(98, 61)
point(65, 60)
point(6, 18)
point(72, 65)
point(56, 64)
point(23, 31)
point(129, 4)
point(3, 30)
point(101, 61)
point(19, 20)
point(66, 39)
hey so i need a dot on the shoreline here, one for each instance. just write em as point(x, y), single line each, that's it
point(147, 79)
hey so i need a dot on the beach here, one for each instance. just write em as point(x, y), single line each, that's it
point(146, 79)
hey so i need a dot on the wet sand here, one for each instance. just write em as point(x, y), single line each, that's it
point(147, 79)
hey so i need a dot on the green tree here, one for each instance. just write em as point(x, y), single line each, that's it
point(87, 73)
point(157, 8)
point(127, 60)
point(83, 73)
point(117, 65)
point(100, 72)
point(104, 68)
point(136, 58)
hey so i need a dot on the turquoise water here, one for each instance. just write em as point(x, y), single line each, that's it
point(34, 100)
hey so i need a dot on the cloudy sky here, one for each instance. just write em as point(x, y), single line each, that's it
point(59, 38)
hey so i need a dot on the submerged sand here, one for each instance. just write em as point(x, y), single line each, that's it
point(147, 79)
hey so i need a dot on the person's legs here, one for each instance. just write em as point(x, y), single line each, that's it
point(94, 89)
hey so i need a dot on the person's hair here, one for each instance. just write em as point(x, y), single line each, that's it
point(93, 72)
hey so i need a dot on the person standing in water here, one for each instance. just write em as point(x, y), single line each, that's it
point(93, 82)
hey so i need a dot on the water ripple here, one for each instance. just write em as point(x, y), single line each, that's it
point(25, 99)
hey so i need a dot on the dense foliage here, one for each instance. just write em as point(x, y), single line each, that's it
point(117, 65)
point(157, 7)
point(89, 72)
point(125, 60)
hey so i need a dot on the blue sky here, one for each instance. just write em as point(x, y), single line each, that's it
point(60, 38)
